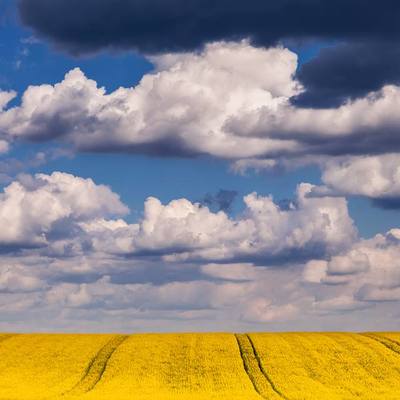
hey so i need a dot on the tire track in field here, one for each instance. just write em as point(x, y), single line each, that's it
point(97, 366)
point(260, 379)
point(388, 343)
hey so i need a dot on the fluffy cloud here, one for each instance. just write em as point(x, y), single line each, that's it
point(370, 123)
point(182, 231)
point(4, 146)
point(68, 215)
point(33, 208)
point(5, 98)
point(63, 249)
point(184, 262)
point(376, 177)
point(177, 110)
point(14, 279)
point(366, 274)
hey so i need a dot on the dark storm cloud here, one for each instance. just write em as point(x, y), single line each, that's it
point(348, 71)
point(159, 25)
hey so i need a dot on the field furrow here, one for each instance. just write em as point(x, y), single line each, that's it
point(254, 369)
point(97, 366)
point(394, 336)
point(385, 341)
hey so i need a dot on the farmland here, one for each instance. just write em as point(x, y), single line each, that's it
point(299, 366)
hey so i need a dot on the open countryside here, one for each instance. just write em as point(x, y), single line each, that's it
point(295, 366)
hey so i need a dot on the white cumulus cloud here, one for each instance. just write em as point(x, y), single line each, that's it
point(376, 177)
point(182, 230)
point(32, 206)
point(230, 100)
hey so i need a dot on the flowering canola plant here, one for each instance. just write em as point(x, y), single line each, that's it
point(223, 366)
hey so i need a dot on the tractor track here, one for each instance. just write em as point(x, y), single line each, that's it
point(97, 366)
point(260, 379)
point(390, 344)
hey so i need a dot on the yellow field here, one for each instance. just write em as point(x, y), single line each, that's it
point(39, 366)
point(298, 366)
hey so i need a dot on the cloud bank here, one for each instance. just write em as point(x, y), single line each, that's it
point(50, 210)
point(362, 38)
point(66, 250)
point(69, 254)
point(177, 25)
point(177, 110)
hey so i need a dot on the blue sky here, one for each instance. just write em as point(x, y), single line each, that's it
point(222, 137)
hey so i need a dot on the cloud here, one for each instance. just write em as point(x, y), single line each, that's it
point(366, 274)
point(340, 304)
point(183, 262)
point(13, 279)
point(233, 272)
point(362, 55)
point(171, 296)
point(375, 177)
point(11, 167)
point(64, 215)
point(261, 310)
point(183, 231)
point(253, 300)
point(348, 71)
point(5, 98)
point(159, 26)
point(4, 146)
point(177, 110)
point(258, 165)
point(34, 208)
point(372, 293)
point(65, 250)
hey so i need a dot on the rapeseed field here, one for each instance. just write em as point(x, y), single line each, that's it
point(40, 366)
point(223, 366)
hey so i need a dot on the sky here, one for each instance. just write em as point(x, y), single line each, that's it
point(199, 166)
